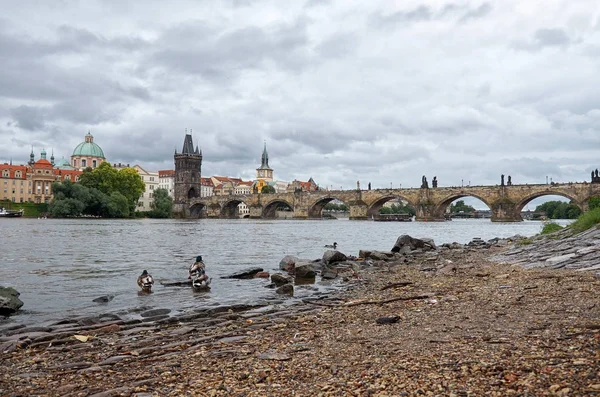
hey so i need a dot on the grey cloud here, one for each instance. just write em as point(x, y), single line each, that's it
point(479, 12)
point(545, 37)
point(29, 117)
point(421, 13)
point(551, 37)
point(337, 46)
point(221, 57)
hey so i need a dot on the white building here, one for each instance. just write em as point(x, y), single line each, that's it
point(206, 187)
point(166, 180)
point(151, 180)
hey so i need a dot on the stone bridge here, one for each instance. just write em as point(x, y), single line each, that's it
point(505, 202)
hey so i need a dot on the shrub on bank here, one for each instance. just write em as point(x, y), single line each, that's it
point(551, 227)
point(586, 220)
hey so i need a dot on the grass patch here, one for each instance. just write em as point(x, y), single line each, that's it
point(525, 241)
point(551, 227)
point(586, 220)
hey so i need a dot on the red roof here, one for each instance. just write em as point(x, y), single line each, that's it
point(166, 173)
point(42, 163)
point(12, 170)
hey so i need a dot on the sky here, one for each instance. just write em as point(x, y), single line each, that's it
point(380, 92)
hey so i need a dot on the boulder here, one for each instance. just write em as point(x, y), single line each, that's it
point(286, 289)
point(279, 279)
point(406, 243)
point(287, 263)
point(9, 301)
point(104, 299)
point(377, 255)
point(304, 270)
point(331, 256)
point(248, 273)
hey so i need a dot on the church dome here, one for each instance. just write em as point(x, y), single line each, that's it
point(64, 164)
point(88, 148)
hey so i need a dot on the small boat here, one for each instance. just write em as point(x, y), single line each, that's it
point(4, 213)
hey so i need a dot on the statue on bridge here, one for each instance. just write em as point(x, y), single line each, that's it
point(595, 177)
point(502, 180)
point(509, 182)
point(424, 184)
point(369, 185)
point(434, 181)
point(357, 185)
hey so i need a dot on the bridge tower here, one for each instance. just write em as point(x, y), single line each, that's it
point(188, 165)
point(264, 173)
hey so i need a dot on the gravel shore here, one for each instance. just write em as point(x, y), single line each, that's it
point(449, 324)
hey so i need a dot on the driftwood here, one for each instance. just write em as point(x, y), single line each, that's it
point(394, 285)
point(398, 298)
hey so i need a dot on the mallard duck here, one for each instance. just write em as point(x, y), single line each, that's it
point(145, 281)
point(334, 245)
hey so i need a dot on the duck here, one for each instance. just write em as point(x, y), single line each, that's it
point(145, 281)
point(334, 245)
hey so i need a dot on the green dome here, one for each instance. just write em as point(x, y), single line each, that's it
point(88, 148)
point(63, 164)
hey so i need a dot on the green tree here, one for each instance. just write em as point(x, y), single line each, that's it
point(594, 202)
point(559, 210)
point(118, 206)
point(162, 206)
point(460, 206)
point(267, 189)
point(108, 180)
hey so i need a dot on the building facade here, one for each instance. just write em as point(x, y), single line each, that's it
point(15, 185)
point(188, 168)
point(166, 180)
point(151, 180)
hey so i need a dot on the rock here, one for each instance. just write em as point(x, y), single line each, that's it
point(248, 273)
point(104, 299)
point(388, 320)
point(155, 312)
point(287, 289)
point(262, 275)
point(376, 255)
point(333, 256)
point(279, 279)
point(305, 270)
point(328, 273)
point(405, 240)
point(287, 263)
point(9, 301)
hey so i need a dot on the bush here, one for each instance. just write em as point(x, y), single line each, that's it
point(551, 227)
point(587, 220)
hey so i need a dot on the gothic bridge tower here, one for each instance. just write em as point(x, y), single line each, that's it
point(188, 166)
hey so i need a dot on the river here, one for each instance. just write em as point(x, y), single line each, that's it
point(60, 265)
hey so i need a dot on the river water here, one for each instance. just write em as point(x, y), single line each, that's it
point(60, 265)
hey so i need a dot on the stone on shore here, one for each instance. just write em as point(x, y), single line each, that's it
point(333, 256)
point(279, 279)
point(9, 301)
point(248, 273)
point(287, 263)
point(286, 289)
point(304, 270)
point(406, 244)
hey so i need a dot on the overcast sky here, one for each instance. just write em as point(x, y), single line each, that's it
point(376, 91)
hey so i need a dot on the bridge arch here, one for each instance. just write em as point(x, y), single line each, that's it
point(230, 210)
point(198, 210)
point(315, 209)
point(445, 202)
point(529, 198)
point(270, 209)
point(373, 210)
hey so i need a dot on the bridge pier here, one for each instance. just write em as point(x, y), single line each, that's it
point(358, 212)
point(505, 211)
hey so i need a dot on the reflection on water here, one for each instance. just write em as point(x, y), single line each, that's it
point(59, 266)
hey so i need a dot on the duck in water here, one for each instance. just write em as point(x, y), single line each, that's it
point(334, 245)
point(145, 281)
point(197, 273)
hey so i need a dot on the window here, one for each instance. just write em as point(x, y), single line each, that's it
point(21, 200)
point(151, 179)
point(5, 174)
point(18, 174)
point(83, 162)
point(150, 195)
point(94, 163)
point(74, 163)
point(151, 187)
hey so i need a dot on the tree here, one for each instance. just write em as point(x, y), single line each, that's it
point(162, 206)
point(267, 189)
point(460, 206)
point(108, 180)
point(594, 202)
point(559, 210)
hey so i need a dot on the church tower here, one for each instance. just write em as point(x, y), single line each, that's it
point(188, 166)
point(264, 172)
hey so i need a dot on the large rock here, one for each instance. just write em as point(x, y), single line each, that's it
point(304, 270)
point(287, 263)
point(377, 255)
point(333, 256)
point(286, 289)
point(248, 273)
point(406, 244)
point(279, 279)
point(9, 301)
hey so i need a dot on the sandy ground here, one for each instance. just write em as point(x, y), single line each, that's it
point(455, 325)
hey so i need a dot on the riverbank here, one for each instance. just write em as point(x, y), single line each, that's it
point(445, 323)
